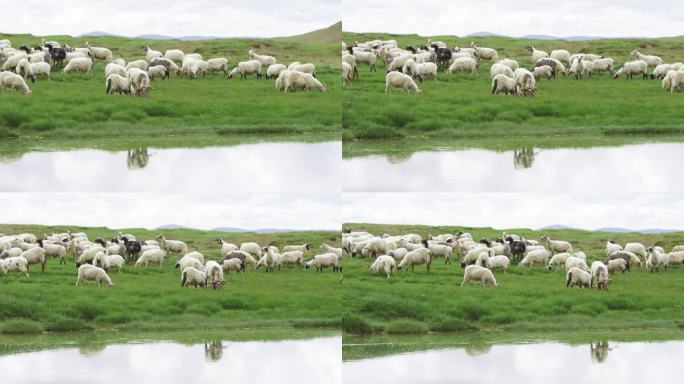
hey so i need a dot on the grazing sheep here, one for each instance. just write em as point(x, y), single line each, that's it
point(244, 257)
point(602, 65)
point(347, 73)
point(99, 53)
point(252, 248)
point(561, 55)
point(246, 68)
point(576, 262)
point(139, 82)
point(632, 68)
point(274, 70)
point(114, 68)
point(473, 254)
point(599, 274)
point(463, 64)
point(482, 53)
point(151, 256)
point(193, 276)
point(612, 247)
point(384, 264)
point(398, 253)
point(337, 251)
point(439, 250)
point(305, 68)
point(364, 58)
point(539, 256)
point(415, 257)
point(35, 256)
point(9, 80)
point(25, 70)
point(499, 261)
point(483, 260)
point(12, 61)
point(510, 63)
point(500, 69)
point(117, 83)
point(176, 246)
point(91, 272)
point(232, 264)
point(402, 81)
point(420, 71)
point(478, 273)
point(78, 64)
point(214, 273)
point(555, 246)
point(195, 255)
point(151, 53)
point(661, 71)
point(218, 64)
point(558, 67)
point(12, 252)
point(292, 80)
point(226, 248)
point(175, 55)
point(504, 84)
point(629, 257)
point(577, 277)
point(325, 260)
point(54, 250)
point(170, 66)
point(651, 60)
point(265, 60)
point(293, 258)
point(558, 259)
point(526, 84)
point(543, 71)
point(157, 71)
point(537, 54)
point(674, 258)
point(17, 263)
point(188, 261)
point(618, 265)
point(636, 248)
point(140, 64)
point(673, 81)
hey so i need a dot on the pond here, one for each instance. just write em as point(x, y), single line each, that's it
point(538, 362)
point(313, 361)
point(254, 167)
point(618, 170)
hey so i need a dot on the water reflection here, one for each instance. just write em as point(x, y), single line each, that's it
point(311, 361)
point(245, 168)
point(525, 363)
point(597, 170)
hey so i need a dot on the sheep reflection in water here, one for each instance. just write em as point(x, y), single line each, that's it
point(523, 158)
point(213, 350)
point(599, 351)
point(137, 158)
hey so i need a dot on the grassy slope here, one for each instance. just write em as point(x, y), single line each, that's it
point(76, 105)
point(525, 301)
point(461, 106)
point(152, 299)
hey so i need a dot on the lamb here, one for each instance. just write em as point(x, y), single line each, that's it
point(653, 61)
point(415, 257)
point(151, 256)
point(384, 264)
point(35, 256)
point(188, 261)
point(402, 81)
point(306, 68)
point(618, 265)
point(99, 53)
point(274, 70)
point(9, 80)
point(157, 71)
point(193, 276)
point(420, 71)
point(500, 69)
point(151, 53)
point(556, 246)
point(265, 60)
point(629, 257)
point(117, 83)
point(170, 66)
point(337, 251)
point(478, 273)
point(17, 263)
point(539, 256)
point(561, 55)
point(245, 68)
point(536, 53)
point(244, 257)
point(463, 64)
point(232, 264)
point(176, 246)
point(558, 259)
point(78, 64)
point(632, 68)
point(526, 84)
point(543, 71)
point(90, 272)
point(325, 260)
point(558, 67)
point(214, 273)
point(504, 84)
point(175, 55)
point(576, 262)
point(577, 277)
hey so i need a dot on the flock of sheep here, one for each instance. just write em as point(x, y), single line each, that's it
point(134, 78)
point(404, 66)
point(481, 258)
point(95, 258)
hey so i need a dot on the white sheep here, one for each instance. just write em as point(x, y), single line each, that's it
point(365, 58)
point(252, 248)
point(483, 53)
point(17, 263)
point(328, 248)
point(602, 65)
point(140, 64)
point(463, 64)
point(673, 81)
point(74, 55)
point(402, 81)
point(9, 80)
point(651, 60)
point(599, 275)
point(577, 277)
point(55, 250)
point(226, 247)
point(478, 273)
point(504, 84)
point(537, 54)
point(539, 256)
point(416, 257)
point(655, 259)
point(11, 252)
point(555, 246)
point(543, 71)
point(635, 248)
point(674, 258)
point(232, 264)
point(151, 53)
point(217, 64)
point(398, 253)
point(25, 70)
point(265, 60)
point(139, 82)
point(246, 68)
point(561, 55)
point(117, 83)
point(274, 70)
point(612, 247)
point(325, 260)
point(618, 265)
point(525, 82)
point(35, 256)
point(661, 71)
point(558, 259)
point(91, 272)
point(440, 251)
point(306, 68)
point(176, 246)
point(214, 273)
point(293, 258)
point(420, 71)
point(195, 255)
point(193, 276)
point(300, 80)
point(78, 64)
point(576, 262)
point(157, 71)
point(12, 61)
point(175, 55)
point(115, 68)
point(500, 69)
point(384, 264)
point(629, 69)
point(99, 53)
point(188, 261)
point(499, 261)
point(151, 256)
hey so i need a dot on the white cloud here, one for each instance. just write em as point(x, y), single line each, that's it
point(264, 18)
point(610, 18)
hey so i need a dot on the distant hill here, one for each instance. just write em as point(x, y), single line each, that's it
point(617, 229)
point(329, 35)
point(571, 38)
point(230, 229)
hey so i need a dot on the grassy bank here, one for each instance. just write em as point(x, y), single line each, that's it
point(76, 105)
point(526, 300)
point(461, 106)
point(152, 299)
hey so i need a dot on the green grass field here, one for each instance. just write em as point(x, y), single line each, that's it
point(152, 299)
point(461, 106)
point(526, 300)
point(75, 105)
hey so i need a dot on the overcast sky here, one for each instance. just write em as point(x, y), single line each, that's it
point(506, 210)
point(263, 18)
point(252, 211)
point(610, 18)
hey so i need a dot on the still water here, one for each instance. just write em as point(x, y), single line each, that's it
point(641, 168)
point(548, 362)
point(246, 168)
point(311, 361)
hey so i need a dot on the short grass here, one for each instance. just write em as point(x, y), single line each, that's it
point(461, 106)
point(526, 300)
point(75, 105)
point(152, 299)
